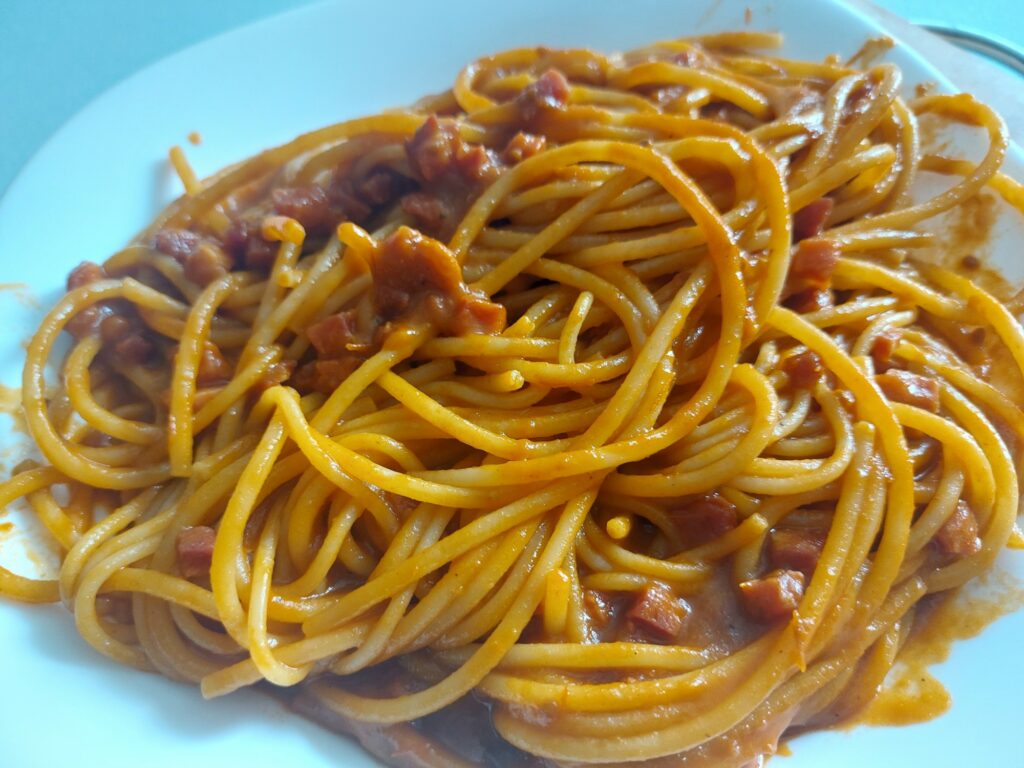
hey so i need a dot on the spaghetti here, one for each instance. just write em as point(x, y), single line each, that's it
point(615, 393)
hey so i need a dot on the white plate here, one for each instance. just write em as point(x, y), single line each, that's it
point(104, 175)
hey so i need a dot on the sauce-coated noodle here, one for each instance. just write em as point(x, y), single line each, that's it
point(612, 392)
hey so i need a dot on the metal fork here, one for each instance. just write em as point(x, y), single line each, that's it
point(990, 46)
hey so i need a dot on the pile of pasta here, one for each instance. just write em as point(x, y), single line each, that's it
point(621, 393)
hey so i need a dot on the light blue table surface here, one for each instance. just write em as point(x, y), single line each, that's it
point(57, 55)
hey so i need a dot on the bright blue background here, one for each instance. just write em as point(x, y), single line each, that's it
point(56, 55)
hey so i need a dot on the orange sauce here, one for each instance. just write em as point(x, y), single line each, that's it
point(10, 397)
point(10, 405)
point(22, 294)
point(966, 237)
point(912, 694)
point(10, 400)
point(972, 221)
point(930, 128)
point(195, 138)
point(915, 696)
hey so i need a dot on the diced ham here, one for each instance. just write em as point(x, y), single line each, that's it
point(409, 267)
point(179, 244)
point(213, 368)
point(135, 348)
point(260, 254)
point(478, 164)
point(308, 205)
point(436, 150)
point(330, 374)
point(772, 597)
point(114, 328)
point(704, 519)
point(656, 614)
point(812, 263)
point(347, 202)
point(203, 260)
point(810, 220)
point(428, 209)
point(910, 388)
point(432, 149)
point(450, 172)
point(88, 319)
point(476, 314)
point(245, 243)
point(382, 186)
point(522, 146)
point(550, 91)
point(278, 373)
point(324, 376)
point(195, 551)
point(809, 300)
point(304, 379)
point(236, 239)
point(884, 344)
point(958, 536)
point(415, 279)
point(796, 549)
point(129, 341)
point(803, 370)
point(337, 335)
point(85, 273)
point(206, 264)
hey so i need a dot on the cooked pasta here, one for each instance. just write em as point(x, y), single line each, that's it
point(614, 398)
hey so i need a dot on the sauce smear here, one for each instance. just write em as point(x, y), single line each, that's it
point(912, 694)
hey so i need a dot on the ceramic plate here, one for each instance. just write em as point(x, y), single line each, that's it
point(104, 175)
